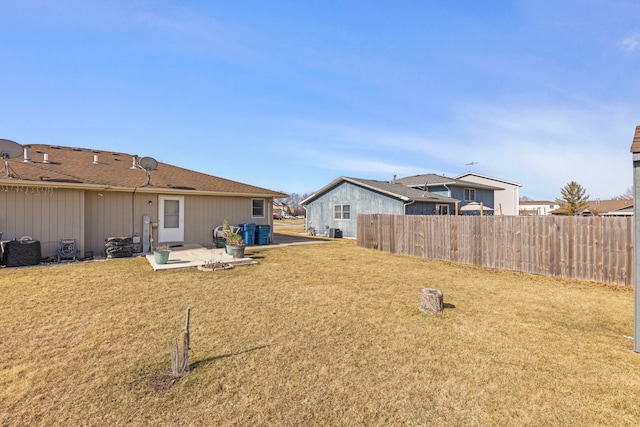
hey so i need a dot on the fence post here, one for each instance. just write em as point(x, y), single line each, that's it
point(635, 149)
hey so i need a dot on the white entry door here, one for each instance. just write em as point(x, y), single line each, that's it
point(170, 219)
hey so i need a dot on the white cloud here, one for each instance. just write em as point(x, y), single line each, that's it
point(631, 43)
point(543, 149)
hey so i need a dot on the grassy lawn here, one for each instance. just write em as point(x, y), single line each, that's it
point(323, 334)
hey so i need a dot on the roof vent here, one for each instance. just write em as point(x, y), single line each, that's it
point(46, 158)
point(95, 159)
point(27, 154)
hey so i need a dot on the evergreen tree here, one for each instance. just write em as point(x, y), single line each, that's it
point(573, 199)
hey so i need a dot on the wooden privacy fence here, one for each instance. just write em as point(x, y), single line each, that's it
point(595, 248)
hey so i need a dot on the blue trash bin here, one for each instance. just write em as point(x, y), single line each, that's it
point(248, 233)
point(263, 233)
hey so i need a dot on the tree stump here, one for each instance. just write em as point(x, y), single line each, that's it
point(431, 301)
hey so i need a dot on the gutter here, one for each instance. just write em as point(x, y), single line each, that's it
point(404, 205)
point(152, 190)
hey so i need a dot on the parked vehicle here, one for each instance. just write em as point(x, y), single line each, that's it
point(277, 216)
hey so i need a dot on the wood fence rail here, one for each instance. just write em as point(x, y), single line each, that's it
point(598, 249)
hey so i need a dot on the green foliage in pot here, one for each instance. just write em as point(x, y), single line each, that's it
point(231, 238)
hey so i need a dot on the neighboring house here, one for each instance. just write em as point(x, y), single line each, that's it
point(539, 207)
point(462, 190)
point(615, 207)
point(279, 208)
point(338, 204)
point(56, 193)
point(618, 207)
point(507, 200)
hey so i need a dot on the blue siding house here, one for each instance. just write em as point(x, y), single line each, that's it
point(337, 205)
point(464, 191)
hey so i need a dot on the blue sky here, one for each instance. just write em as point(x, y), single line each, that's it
point(290, 95)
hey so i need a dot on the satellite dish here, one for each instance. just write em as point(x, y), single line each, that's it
point(148, 163)
point(10, 149)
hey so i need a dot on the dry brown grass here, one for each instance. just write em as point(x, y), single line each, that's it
point(326, 334)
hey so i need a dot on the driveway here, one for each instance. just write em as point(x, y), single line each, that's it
point(289, 239)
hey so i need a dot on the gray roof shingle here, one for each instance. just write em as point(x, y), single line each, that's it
point(398, 190)
point(432, 180)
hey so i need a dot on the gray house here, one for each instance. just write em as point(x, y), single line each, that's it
point(337, 205)
point(462, 190)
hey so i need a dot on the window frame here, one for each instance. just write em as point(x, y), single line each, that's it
point(469, 194)
point(440, 207)
point(253, 208)
point(340, 213)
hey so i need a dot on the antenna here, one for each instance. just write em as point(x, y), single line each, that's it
point(9, 150)
point(471, 164)
point(148, 164)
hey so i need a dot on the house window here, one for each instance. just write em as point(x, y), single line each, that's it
point(257, 206)
point(469, 194)
point(171, 213)
point(442, 209)
point(342, 212)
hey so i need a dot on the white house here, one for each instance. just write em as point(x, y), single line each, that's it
point(538, 207)
point(506, 201)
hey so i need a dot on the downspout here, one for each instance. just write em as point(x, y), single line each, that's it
point(449, 194)
point(133, 213)
point(448, 190)
point(404, 205)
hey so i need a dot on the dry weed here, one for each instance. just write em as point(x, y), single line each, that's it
point(326, 334)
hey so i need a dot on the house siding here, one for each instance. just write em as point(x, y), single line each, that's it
point(426, 208)
point(110, 214)
point(507, 200)
point(482, 196)
point(120, 214)
point(361, 200)
point(440, 190)
point(204, 213)
point(44, 215)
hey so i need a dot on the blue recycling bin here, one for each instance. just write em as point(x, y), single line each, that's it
point(248, 233)
point(263, 233)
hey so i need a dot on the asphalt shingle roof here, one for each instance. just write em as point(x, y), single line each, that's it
point(399, 191)
point(605, 206)
point(76, 167)
point(431, 179)
point(635, 145)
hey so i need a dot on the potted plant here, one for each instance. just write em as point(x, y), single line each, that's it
point(233, 241)
point(161, 254)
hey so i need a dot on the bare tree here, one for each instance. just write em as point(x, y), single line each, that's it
point(627, 195)
point(292, 202)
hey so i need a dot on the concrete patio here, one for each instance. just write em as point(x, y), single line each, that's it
point(194, 255)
